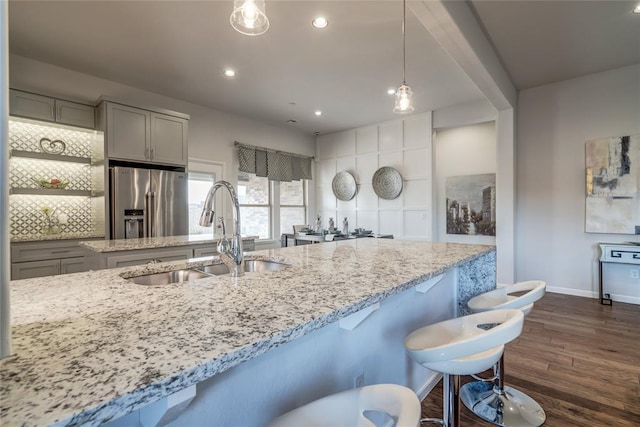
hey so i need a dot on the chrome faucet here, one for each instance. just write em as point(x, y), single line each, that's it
point(230, 253)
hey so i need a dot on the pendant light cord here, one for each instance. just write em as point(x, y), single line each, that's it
point(404, 55)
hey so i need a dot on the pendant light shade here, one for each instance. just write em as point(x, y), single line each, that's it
point(404, 100)
point(249, 17)
point(404, 95)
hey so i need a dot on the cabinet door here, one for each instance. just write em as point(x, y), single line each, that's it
point(143, 257)
point(72, 113)
point(168, 139)
point(72, 265)
point(30, 105)
point(128, 132)
point(27, 270)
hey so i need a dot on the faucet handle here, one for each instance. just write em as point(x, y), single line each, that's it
point(221, 225)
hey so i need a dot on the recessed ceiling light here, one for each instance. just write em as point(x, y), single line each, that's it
point(320, 22)
point(318, 113)
point(637, 10)
point(391, 91)
point(229, 72)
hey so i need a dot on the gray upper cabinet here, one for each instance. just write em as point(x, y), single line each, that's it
point(141, 135)
point(30, 105)
point(72, 113)
point(128, 132)
point(39, 107)
point(169, 139)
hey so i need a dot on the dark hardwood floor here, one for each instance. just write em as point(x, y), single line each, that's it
point(580, 360)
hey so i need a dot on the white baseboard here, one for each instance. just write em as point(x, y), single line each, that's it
point(429, 384)
point(591, 294)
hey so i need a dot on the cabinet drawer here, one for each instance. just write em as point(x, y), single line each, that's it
point(205, 251)
point(144, 257)
point(624, 254)
point(27, 270)
point(38, 251)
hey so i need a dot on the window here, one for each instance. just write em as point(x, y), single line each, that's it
point(292, 207)
point(255, 208)
point(198, 187)
point(269, 208)
point(202, 174)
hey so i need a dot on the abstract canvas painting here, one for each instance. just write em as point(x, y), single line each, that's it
point(613, 173)
point(471, 204)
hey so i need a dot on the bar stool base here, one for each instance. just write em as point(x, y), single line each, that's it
point(511, 409)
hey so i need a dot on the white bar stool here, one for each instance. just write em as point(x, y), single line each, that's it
point(462, 346)
point(490, 399)
point(346, 409)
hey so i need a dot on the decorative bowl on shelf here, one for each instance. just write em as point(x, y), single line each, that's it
point(52, 184)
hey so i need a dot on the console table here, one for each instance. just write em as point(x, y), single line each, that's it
point(621, 253)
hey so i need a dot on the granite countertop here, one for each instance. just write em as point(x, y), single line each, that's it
point(59, 236)
point(91, 347)
point(152, 242)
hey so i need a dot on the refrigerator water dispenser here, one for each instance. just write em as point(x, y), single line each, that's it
point(133, 223)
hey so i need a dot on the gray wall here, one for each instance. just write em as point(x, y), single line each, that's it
point(554, 122)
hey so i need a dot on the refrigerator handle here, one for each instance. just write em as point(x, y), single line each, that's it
point(152, 208)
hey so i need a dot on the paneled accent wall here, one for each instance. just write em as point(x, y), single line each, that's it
point(404, 144)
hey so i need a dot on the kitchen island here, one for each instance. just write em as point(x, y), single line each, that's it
point(91, 347)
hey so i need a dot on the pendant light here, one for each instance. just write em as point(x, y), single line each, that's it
point(404, 95)
point(249, 17)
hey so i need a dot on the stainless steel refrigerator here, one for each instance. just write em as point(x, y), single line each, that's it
point(147, 203)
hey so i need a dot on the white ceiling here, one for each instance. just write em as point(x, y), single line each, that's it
point(180, 48)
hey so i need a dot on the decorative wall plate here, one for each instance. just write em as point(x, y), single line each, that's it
point(344, 186)
point(387, 183)
point(52, 147)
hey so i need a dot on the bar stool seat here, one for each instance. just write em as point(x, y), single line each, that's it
point(490, 399)
point(346, 409)
point(462, 346)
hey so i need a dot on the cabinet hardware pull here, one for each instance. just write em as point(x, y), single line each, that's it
point(60, 252)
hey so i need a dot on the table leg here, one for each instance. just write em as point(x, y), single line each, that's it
point(605, 299)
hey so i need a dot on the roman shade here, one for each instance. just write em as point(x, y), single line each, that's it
point(275, 165)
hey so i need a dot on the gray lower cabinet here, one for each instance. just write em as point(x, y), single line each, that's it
point(46, 258)
point(72, 265)
point(27, 270)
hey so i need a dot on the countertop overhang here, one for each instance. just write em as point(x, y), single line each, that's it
point(91, 347)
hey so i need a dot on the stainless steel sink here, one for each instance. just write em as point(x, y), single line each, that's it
point(250, 265)
point(169, 277)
